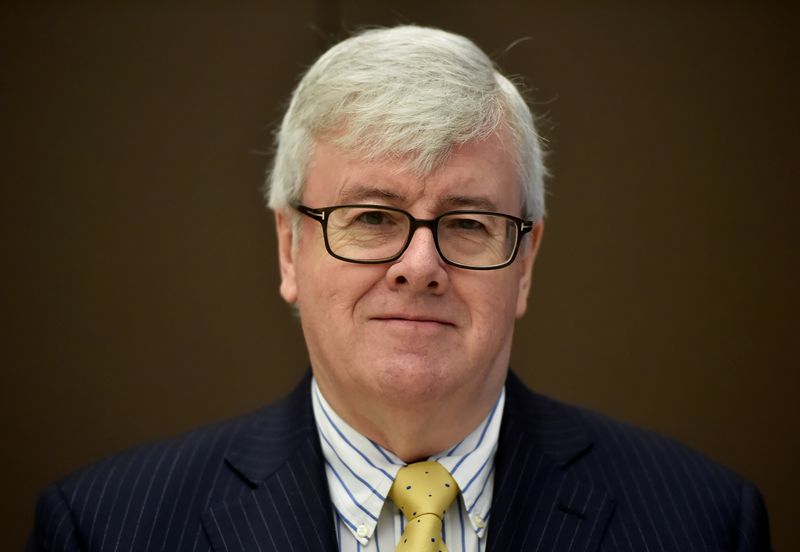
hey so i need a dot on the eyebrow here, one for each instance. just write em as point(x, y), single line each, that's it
point(361, 193)
point(364, 193)
point(467, 202)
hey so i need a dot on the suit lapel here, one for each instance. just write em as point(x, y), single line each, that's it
point(538, 502)
point(286, 505)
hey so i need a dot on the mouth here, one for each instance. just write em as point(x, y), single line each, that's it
point(420, 322)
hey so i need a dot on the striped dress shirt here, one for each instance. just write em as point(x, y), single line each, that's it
point(360, 474)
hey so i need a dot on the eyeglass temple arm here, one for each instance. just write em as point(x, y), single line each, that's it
point(319, 215)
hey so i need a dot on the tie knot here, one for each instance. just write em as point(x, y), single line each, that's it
point(423, 488)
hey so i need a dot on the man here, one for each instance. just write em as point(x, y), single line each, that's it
point(408, 194)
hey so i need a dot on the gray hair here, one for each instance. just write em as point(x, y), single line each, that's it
point(407, 93)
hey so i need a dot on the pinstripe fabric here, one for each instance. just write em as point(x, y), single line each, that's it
point(206, 490)
point(360, 474)
point(565, 479)
point(569, 479)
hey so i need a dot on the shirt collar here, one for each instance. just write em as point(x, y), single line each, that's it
point(471, 463)
point(360, 472)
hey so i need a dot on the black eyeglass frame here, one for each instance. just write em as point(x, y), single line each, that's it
point(321, 215)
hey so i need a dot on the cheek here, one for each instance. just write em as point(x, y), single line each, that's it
point(331, 289)
point(492, 305)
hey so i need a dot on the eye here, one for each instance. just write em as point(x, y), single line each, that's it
point(373, 218)
point(464, 224)
point(469, 224)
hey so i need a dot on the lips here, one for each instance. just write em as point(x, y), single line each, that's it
point(413, 320)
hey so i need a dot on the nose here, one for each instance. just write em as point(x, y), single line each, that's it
point(420, 268)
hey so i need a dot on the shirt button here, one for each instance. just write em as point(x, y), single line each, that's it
point(362, 531)
point(478, 521)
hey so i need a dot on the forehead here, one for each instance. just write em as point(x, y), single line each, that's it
point(477, 175)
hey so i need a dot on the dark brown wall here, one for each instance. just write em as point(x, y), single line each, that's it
point(139, 282)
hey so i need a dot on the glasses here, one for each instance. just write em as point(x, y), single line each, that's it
point(371, 234)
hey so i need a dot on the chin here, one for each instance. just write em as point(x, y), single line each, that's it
point(414, 378)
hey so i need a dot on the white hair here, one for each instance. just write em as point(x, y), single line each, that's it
point(407, 93)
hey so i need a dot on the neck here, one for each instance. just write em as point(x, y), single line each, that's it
point(406, 430)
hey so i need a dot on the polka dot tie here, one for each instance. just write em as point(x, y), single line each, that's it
point(423, 491)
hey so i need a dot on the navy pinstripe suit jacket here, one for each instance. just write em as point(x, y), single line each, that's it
point(566, 479)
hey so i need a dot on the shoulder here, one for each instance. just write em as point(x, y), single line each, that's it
point(619, 449)
point(660, 481)
point(156, 463)
point(156, 492)
point(623, 452)
point(658, 484)
point(199, 452)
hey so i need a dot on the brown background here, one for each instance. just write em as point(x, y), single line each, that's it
point(139, 280)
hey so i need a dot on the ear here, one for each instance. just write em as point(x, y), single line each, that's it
point(283, 225)
point(528, 250)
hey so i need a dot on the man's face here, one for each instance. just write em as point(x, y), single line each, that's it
point(414, 329)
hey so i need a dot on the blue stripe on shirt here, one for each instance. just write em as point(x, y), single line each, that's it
point(461, 519)
point(339, 532)
point(483, 434)
point(347, 490)
point(383, 453)
point(477, 473)
point(347, 522)
point(483, 488)
point(367, 485)
point(352, 446)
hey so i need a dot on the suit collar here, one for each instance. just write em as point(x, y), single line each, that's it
point(286, 425)
point(272, 434)
point(539, 502)
point(549, 425)
point(285, 505)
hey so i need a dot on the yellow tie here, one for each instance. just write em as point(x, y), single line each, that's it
point(423, 491)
